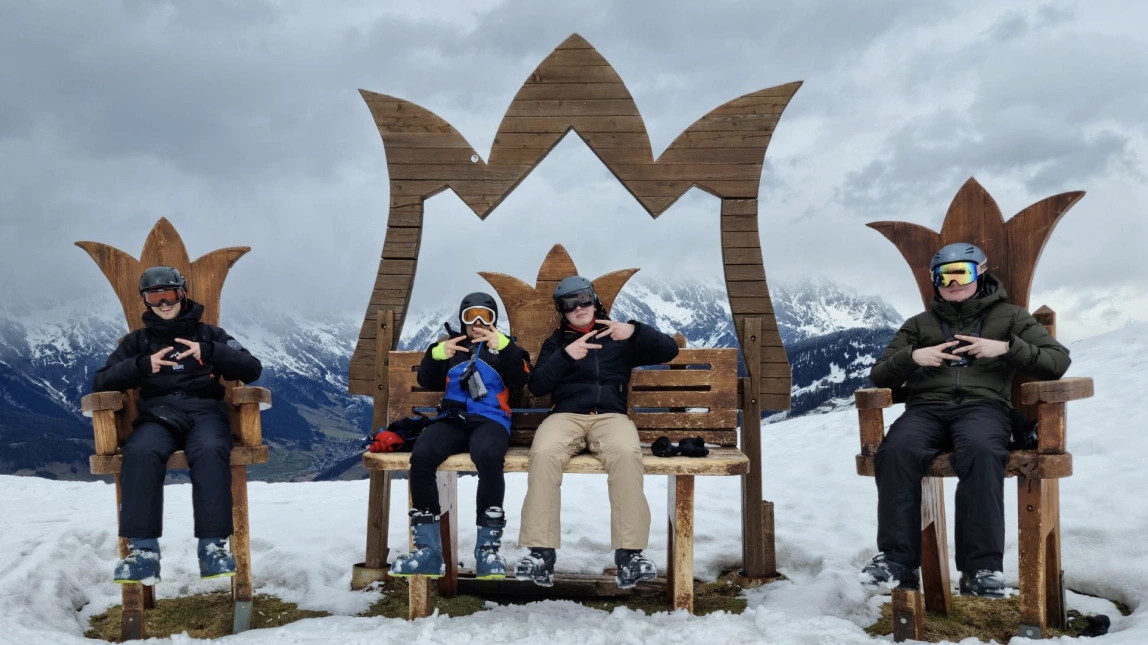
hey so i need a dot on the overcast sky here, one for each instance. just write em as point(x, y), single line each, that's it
point(242, 123)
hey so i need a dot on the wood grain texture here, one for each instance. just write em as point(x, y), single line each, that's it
point(1021, 463)
point(1064, 390)
point(240, 456)
point(720, 462)
point(908, 615)
point(575, 89)
point(935, 547)
point(680, 572)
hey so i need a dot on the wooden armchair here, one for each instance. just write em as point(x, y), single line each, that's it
point(1013, 249)
point(112, 413)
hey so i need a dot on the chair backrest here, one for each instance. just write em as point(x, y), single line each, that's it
point(693, 395)
point(163, 247)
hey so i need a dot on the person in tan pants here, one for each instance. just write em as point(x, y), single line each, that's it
point(585, 367)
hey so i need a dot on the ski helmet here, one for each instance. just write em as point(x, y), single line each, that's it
point(959, 252)
point(572, 291)
point(478, 299)
point(161, 278)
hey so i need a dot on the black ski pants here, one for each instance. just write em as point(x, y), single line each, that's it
point(978, 434)
point(208, 449)
point(486, 441)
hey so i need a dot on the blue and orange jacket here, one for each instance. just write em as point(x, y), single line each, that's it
point(502, 369)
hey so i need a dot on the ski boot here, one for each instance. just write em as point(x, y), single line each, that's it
point(537, 566)
point(426, 559)
point(488, 564)
point(633, 567)
point(882, 573)
point(215, 561)
point(141, 563)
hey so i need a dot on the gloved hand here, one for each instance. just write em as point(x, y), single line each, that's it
point(693, 447)
point(663, 448)
point(1097, 625)
point(386, 441)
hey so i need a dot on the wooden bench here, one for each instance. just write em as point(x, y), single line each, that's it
point(663, 402)
point(112, 413)
point(1013, 249)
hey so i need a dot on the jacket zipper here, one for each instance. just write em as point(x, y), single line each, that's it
point(960, 328)
point(597, 382)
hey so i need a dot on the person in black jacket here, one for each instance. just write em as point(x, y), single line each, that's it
point(956, 363)
point(585, 367)
point(176, 361)
point(476, 371)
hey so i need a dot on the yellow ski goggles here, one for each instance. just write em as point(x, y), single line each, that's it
point(961, 273)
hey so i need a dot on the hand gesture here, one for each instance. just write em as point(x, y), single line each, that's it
point(157, 360)
point(981, 347)
point(579, 348)
point(451, 346)
point(489, 335)
point(616, 330)
point(193, 350)
point(934, 356)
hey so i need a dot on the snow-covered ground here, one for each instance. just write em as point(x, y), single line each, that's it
point(58, 541)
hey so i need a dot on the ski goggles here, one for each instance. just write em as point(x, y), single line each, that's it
point(162, 298)
point(961, 273)
point(471, 315)
point(575, 300)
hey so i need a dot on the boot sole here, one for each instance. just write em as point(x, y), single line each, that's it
point(218, 575)
point(492, 576)
point(132, 582)
point(411, 575)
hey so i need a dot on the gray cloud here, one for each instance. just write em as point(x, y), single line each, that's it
point(242, 123)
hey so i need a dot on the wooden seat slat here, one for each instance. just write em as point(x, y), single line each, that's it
point(1026, 463)
point(240, 456)
point(720, 461)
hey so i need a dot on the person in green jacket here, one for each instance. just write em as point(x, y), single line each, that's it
point(955, 362)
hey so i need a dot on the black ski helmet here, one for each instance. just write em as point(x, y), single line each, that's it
point(477, 299)
point(160, 277)
point(574, 285)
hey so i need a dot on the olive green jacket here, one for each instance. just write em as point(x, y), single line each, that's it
point(1031, 350)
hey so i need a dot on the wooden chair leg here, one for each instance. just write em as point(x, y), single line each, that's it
point(148, 597)
point(935, 580)
point(241, 583)
point(132, 605)
point(420, 598)
point(374, 567)
point(671, 545)
point(908, 615)
point(448, 530)
point(681, 505)
point(1039, 555)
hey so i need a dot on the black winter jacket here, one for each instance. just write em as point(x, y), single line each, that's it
point(1031, 350)
point(222, 357)
point(600, 381)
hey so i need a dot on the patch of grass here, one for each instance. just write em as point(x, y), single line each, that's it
point(982, 618)
point(709, 597)
point(203, 616)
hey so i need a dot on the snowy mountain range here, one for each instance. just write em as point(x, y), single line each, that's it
point(315, 428)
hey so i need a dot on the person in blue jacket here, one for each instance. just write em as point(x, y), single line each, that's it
point(476, 371)
point(176, 361)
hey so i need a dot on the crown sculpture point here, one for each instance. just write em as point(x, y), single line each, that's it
point(164, 247)
point(1013, 247)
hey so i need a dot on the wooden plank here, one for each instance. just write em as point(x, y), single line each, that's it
point(384, 341)
point(250, 425)
point(726, 139)
point(1051, 428)
point(240, 456)
point(1031, 554)
point(1066, 389)
point(745, 224)
point(1027, 463)
point(742, 272)
point(448, 532)
point(719, 463)
point(688, 172)
point(572, 107)
point(762, 306)
point(455, 171)
point(873, 398)
point(683, 399)
point(531, 124)
point(378, 520)
point(934, 547)
point(575, 91)
point(872, 430)
point(105, 429)
point(132, 614)
point(662, 379)
point(724, 438)
point(681, 505)
point(573, 74)
point(908, 616)
point(1055, 608)
point(241, 583)
point(741, 256)
point(587, 57)
point(96, 401)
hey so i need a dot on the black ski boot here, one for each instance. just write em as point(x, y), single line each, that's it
point(537, 566)
point(633, 567)
point(882, 573)
point(984, 583)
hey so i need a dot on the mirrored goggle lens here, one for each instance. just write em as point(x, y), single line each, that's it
point(471, 315)
point(575, 300)
point(961, 273)
point(159, 298)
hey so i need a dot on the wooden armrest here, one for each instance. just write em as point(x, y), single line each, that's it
point(96, 401)
point(874, 398)
point(243, 394)
point(1066, 389)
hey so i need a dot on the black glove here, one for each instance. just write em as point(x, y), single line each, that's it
point(663, 448)
point(1097, 625)
point(693, 447)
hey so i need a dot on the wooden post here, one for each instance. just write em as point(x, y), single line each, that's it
point(872, 430)
point(1041, 593)
point(374, 565)
point(131, 616)
point(680, 573)
point(908, 615)
point(935, 579)
point(759, 561)
point(241, 584)
point(104, 425)
point(448, 531)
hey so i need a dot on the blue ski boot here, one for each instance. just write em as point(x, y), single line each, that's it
point(141, 563)
point(215, 561)
point(488, 564)
point(426, 559)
